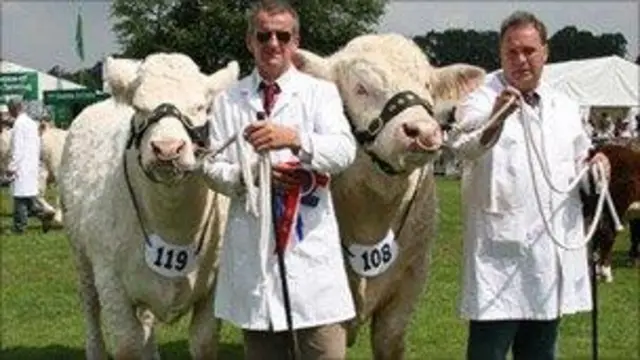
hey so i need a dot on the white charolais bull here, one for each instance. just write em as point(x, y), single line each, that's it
point(386, 201)
point(51, 153)
point(5, 149)
point(144, 230)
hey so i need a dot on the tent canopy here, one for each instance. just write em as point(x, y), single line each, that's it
point(44, 80)
point(605, 81)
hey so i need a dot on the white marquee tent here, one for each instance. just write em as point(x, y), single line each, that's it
point(606, 81)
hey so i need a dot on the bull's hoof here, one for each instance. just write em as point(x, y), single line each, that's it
point(47, 222)
point(607, 274)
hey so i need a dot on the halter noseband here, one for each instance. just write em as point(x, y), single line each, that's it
point(198, 134)
point(394, 106)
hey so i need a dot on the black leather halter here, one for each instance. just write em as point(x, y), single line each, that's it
point(394, 106)
point(198, 134)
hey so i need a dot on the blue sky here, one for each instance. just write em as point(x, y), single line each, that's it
point(40, 34)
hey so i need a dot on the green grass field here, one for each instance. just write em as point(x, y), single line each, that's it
point(41, 317)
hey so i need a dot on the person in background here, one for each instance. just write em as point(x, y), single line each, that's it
point(298, 121)
point(517, 281)
point(23, 169)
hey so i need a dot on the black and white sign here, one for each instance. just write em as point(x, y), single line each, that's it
point(170, 260)
point(373, 260)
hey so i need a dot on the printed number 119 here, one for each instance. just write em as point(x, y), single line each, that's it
point(180, 259)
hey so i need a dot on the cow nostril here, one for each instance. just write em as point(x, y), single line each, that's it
point(410, 131)
point(156, 149)
point(167, 149)
point(180, 147)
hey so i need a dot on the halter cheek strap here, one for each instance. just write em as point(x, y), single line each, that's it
point(198, 134)
point(397, 104)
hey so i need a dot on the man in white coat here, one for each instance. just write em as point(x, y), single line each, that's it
point(519, 278)
point(23, 169)
point(304, 129)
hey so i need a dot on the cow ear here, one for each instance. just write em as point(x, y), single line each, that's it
point(312, 64)
point(120, 75)
point(455, 81)
point(223, 78)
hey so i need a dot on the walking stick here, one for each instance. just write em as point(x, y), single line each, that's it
point(594, 299)
point(282, 269)
point(293, 338)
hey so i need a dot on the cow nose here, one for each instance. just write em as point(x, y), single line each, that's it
point(411, 130)
point(167, 149)
point(425, 135)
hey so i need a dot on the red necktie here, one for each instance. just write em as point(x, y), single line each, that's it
point(269, 92)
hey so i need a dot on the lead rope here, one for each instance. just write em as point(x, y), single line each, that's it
point(598, 172)
point(603, 187)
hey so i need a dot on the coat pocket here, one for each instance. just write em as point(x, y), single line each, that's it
point(506, 233)
point(507, 170)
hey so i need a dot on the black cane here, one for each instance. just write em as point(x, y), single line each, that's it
point(282, 268)
point(594, 299)
point(593, 262)
point(293, 338)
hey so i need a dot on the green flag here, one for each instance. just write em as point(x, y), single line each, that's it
point(79, 40)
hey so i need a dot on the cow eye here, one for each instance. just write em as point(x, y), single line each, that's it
point(361, 90)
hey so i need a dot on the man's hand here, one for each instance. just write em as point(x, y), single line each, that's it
point(265, 136)
point(503, 98)
point(494, 129)
point(285, 176)
point(600, 158)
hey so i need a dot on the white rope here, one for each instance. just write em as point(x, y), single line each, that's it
point(598, 172)
point(258, 197)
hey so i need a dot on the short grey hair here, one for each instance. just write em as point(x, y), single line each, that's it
point(36, 110)
point(520, 18)
point(271, 7)
point(15, 102)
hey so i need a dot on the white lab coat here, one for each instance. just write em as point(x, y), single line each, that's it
point(249, 290)
point(512, 268)
point(25, 156)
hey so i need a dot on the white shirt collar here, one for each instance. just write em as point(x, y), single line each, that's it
point(285, 80)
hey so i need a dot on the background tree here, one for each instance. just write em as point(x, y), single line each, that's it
point(457, 45)
point(212, 32)
point(569, 43)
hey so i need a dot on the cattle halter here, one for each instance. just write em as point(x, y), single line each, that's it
point(394, 106)
point(199, 135)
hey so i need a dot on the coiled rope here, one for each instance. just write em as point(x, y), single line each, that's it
point(598, 173)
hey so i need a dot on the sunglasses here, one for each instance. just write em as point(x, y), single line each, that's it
point(283, 37)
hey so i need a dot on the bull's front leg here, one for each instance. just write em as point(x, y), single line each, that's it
point(95, 348)
point(358, 286)
point(118, 313)
point(389, 322)
point(203, 330)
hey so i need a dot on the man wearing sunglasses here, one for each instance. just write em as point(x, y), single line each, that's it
point(298, 121)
